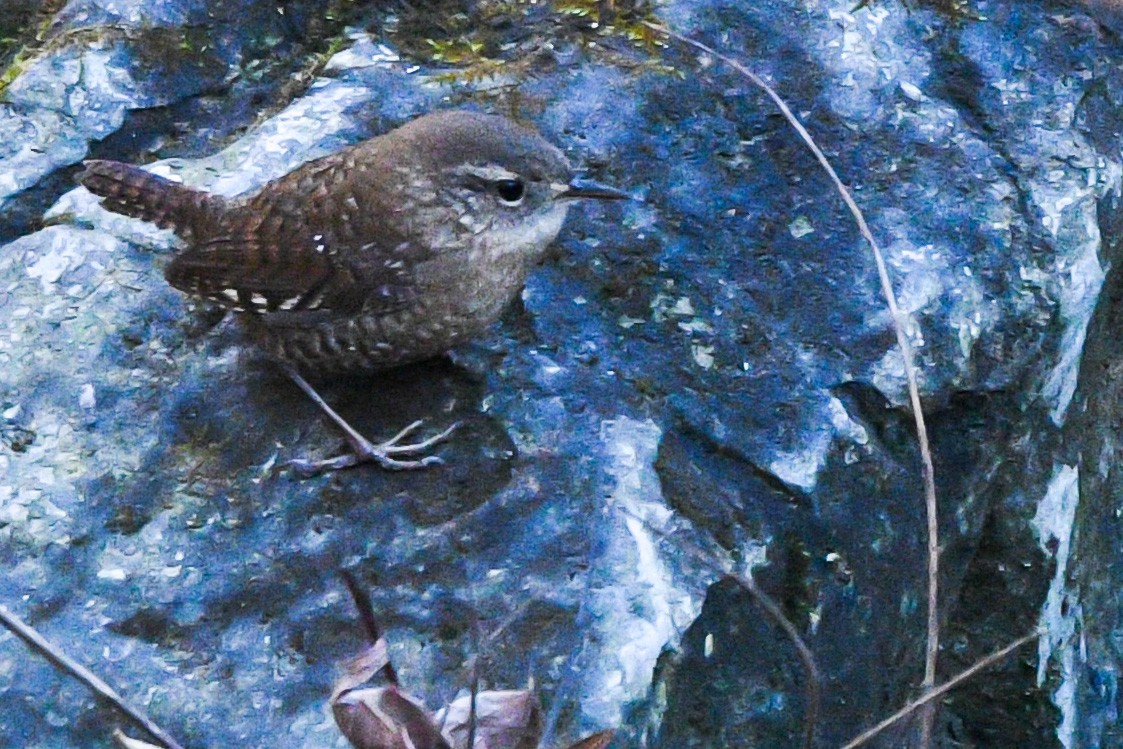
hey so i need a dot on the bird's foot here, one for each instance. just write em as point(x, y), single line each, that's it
point(383, 453)
point(362, 449)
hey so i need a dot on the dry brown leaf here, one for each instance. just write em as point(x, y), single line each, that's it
point(385, 718)
point(505, 719)
point(596, 741)
point(127, 742)
point(361, 668)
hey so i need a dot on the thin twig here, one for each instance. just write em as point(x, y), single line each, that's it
point(939, 691)
point(899, 323)
point(766, 602)
point(774, 612)
point(365, 607)
point(63, 662)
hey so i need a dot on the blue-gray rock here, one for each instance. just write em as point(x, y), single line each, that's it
point(712, 366)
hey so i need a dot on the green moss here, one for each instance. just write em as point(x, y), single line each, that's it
point(323, 39)
point(456, 51)
point(507, 37)
point(156, 48)
point(24, 27)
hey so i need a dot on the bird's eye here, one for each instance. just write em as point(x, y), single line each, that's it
point(510, 190)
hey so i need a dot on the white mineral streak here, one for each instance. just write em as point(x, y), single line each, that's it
point(1061, 615)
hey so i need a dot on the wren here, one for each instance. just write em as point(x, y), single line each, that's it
point(390, 251)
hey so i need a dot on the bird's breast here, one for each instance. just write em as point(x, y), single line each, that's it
point(460, 290)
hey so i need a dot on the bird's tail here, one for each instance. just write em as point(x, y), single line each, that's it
point(132, 191)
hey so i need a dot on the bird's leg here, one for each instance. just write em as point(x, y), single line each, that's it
point(362, 449)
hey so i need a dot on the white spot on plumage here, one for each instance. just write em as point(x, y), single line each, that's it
point(488, 173)
point(231, 294)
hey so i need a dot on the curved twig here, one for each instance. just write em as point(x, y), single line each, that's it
point(899, 325)
point(776, 614)
point(365, 608)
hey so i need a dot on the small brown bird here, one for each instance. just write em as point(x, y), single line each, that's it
point(387, 252)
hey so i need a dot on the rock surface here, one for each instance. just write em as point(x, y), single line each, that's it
point(712, 361)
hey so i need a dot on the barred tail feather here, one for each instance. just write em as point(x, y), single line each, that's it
point(132, 191)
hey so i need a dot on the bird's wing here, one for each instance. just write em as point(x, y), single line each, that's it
point(314, 239)
point(245, 273)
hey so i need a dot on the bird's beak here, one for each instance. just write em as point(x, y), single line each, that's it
point(579, 189)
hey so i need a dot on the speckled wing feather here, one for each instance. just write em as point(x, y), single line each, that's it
point(304, 242)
